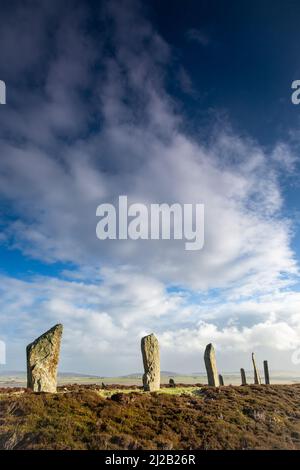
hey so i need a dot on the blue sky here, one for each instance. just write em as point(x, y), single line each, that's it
point(187, 104)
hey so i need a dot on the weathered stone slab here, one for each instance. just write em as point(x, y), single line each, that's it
point(221, 380)
point(211, 366)
point(266, 371)
point(151, 361)
point(42, 361)
point(257, 379)
point(243, 377)
point(172, 383)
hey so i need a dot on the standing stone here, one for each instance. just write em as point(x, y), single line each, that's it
point(266, 370)
point(211, 366)
point(42, 361)
point(221, 381)
point(257, 379)
point(243, 376)
point(172, 383)
point(150, 352)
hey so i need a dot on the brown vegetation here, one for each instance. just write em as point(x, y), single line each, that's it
point(248, 417)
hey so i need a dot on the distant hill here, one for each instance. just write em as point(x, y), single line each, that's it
point(9, 373)
point(165, 373)
point(18, 373)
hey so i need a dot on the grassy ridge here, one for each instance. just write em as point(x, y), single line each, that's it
point(250, 417)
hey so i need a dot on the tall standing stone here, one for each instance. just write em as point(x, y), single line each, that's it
point(211, 366)
point(221, 380)
point(151, 360)
point(266, 371)
point(257, 379)
point(243, 377)
point(42, 361)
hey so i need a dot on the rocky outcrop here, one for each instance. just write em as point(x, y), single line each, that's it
point(211, 366)
point(42, 361)
point(151, 360)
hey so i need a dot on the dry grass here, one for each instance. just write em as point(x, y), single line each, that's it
point(250, 417)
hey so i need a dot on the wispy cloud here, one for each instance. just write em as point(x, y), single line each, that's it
point(198, 36)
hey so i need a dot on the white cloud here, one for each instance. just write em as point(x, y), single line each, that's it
point(274, 335)
point(63, 152)
point(104, 320)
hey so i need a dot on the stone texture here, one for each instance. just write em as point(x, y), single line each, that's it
point(151, 360)
point(266, 371)
point(257, 379)
point(172, 383)
point(211, 366)
point(221, 380)
point(243, 377)
point(42, 361)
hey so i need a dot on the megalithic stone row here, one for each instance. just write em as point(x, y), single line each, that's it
point(42, 361)
point(266, 371)
point(257, 379)
point(211, 366)
point(243, 377)
point(221, 380)
point(151, 361)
